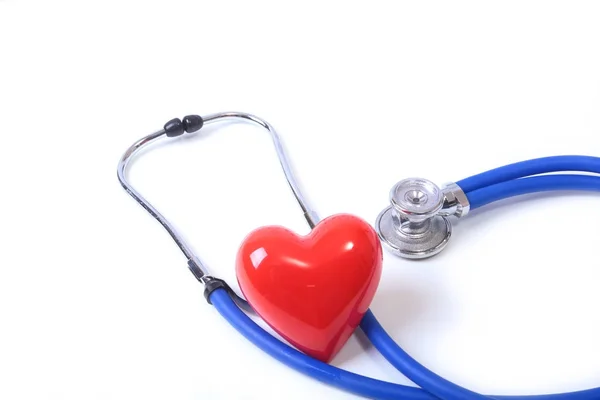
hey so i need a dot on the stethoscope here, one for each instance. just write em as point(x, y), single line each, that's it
point(416, 225)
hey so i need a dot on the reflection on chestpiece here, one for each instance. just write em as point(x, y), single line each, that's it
point(416, 224)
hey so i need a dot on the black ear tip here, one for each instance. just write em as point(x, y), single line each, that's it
point(177, 127)
point(191, 123)
point(174, 127)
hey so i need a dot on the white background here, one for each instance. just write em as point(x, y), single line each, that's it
point(96, 302)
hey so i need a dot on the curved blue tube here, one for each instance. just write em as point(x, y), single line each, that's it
point(531, 167)
point(354, 383)
point(481, 197)
point(358, 384)
point(481, 190)
point(414, 371)
point(437, 385)
point(427, 379)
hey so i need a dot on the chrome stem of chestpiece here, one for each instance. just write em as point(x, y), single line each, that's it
point(416, 224)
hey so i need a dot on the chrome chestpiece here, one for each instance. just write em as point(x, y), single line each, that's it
point(416, 224)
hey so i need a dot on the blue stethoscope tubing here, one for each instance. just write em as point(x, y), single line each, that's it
point(497, 184)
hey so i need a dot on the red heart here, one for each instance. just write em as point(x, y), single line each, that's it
point(313, 290)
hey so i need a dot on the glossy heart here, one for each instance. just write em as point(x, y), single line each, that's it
point(313, 290)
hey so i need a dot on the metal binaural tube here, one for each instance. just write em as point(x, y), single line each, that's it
point(309, 214)
point(196, 266)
